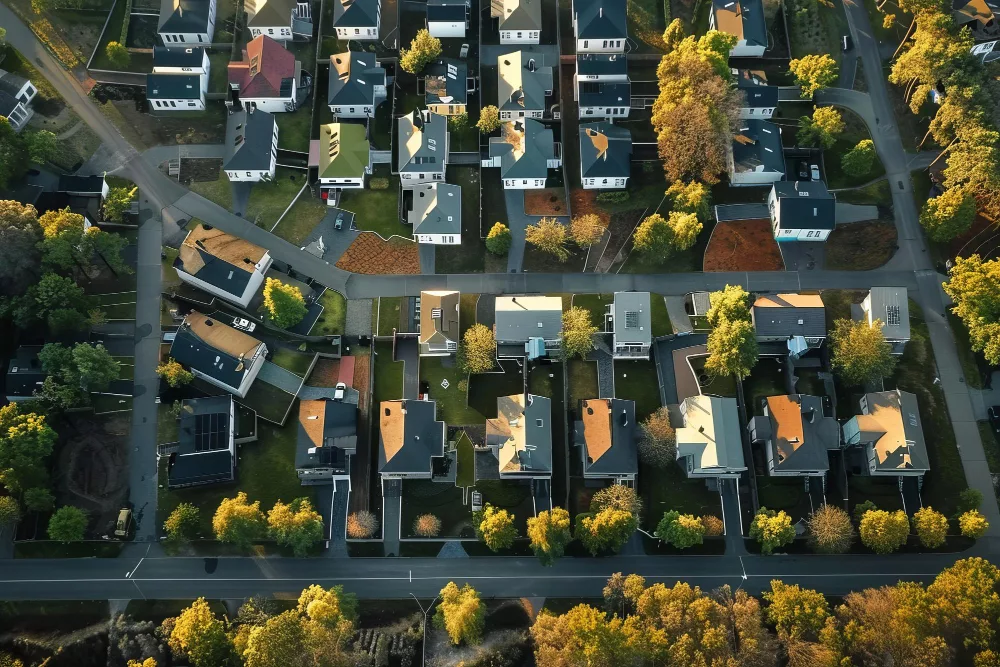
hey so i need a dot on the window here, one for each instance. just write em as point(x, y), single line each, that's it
point(192, 104)
point(605, 44)
point(519, 35)
point(270, 31)
point(357, 31)
point(173, 104)
point(248, 173)
point(751, 112)
point(586, 43)
point(604, 182)
point(525, 183)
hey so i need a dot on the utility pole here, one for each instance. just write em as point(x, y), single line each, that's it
point(423, 656)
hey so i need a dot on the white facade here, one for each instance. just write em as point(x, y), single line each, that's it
point(599, 45)
point(243, 300)
point(604, 183)
point(256, 175)
point(282, 33)
point(176, 40)
point(179, 104)
point(203, 70)
point(369, 33)
point(757, 112)
point(344, 183)
point(446, 28)
point(354, 110)
point(439, 239)
point(511, 114)
point(523, 183)
point(20, 116)
point(520, 36)
point(414, 177)
point(759, 176)
point(248, 377)
point(602, 111)
point(785, 234)
point(744, 50)
point(273, 104)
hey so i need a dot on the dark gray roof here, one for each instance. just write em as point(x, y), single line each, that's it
point(522, 14)
point(605, 150)
point(522, 79)
point(600, 19)
point(340, 435)
point(621, 457)
point(743, 18)
point(272, 13)
point(354, 81)
point(248, 140)
point(24, 372)
point(203, 453)
point(521, 434)
point(189, 57)
point(445, 82)
point(787, 319)
point(605, 93)
point(797, 433)
point(518, 318)
point(437, 209)
point(12, 83)
point(355, 13)
point(422, 141)
point(81, 185)
point(190, 350)
point(173, 86)
point(805, 205)
point(446, 10)
point(421, 437)
point(7, 103)
point(760, 144)
point(633, 317)
point(601, 64)
point(537, 145)
point(184, 16)
point(758, 93)
point(230, 278)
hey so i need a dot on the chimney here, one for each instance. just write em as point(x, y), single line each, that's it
point(531, 64)
point(200, 244)
point(600, 12)
point(701, 429)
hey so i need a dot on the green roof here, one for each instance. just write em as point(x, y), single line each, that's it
point(343, 151)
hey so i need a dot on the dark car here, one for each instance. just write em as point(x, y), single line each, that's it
point(994, 415)
point(803, 170)
point(847, 43)
point(339, 222)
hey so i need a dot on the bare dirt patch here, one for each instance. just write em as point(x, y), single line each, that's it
point(745, 245)
point(547, 201)
point(620, 228)
point(861, 246)
point(92, 465)
point(585, 202)
point(201, 170)
point(369, 254)
point(982, 239)
point(324, 373)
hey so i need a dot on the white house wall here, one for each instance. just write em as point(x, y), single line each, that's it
point(282, 33)
point(523, 183)
point(519, 36)
point(179, 104)
point(439, 239)
point(600, 46)
point(604, 183)
point(446, 28)
point(756, 112)
point(370, 33)
point(603, 112)
point(356, 111)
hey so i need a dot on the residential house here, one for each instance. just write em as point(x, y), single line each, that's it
point(796, 435)
point(759, 99)
point(439, 323)
point(977, 16)
point(521, 436)
point(601, 67)
point(16, 94)
point(225, 266)
point(890, 306)
point(190, 60)
point(532, 321)
point(606, 434)
point(801, 211)
point(520, 21)
point(344, 158)
point(205, 451)
point(435, 213)
point(186, 22)
point(217, 353)
point(283, 20)
point(987, 52)
point(328, 435)
point(267, 77)
point(175, 92)
point(447, 86)
point(357, 84)
point(24, 374)
point(788, 317)
point(357, 19)
point(755, 156)
point(743, 19)
point(410, 439)
point(890, 431)
point(709, 444)
point(422, 143)
point(524, 151)
point(605, 156)
point(599, 26)
point(448, 18)
point(631, 325)
point(523, 85)
point(251, 146)
point(603, 99)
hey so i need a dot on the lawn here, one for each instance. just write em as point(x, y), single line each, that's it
point(103, 403)
point(269, 200)
point(138, 62)
point(665, 489)
point(814, 28)
point(883, 492)
point(443, 500)
point(766, 379)
point(723, 385)
point(292, 360)
point(219, 191)
point(452, 403)
point(789, 495)
point(467, 311)
point(485, 387)
point(990, 446)
point(596, 304)
point(218, 75)
point(388, 314)
point(511, 495)
point(331, 321)
point(582, 381)
point(170, 278)
point(51, 549)
point(855, 131)
point(301, 219)
point(466, 461)
point(638, 381)
point(972, 362)
point(646, 23)
point(659, 319)
point(167, 425)
point(876, 194)
point(293, 129)
point(861, 246)
point(470, 256)
point(120, 311)
point(547, 380)
point(268, 401)
point(377, 210)
point(388, 374)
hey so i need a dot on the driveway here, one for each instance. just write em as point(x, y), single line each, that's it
point(241, 197)
point(518, 223)
point(407, 351)
point(664, 351)
point(679, 319)
point(281, 378)
point(334, 241)
point(802, 255)
point(848, 213)
point(428, 255)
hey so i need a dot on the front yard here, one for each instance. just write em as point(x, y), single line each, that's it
point(470, 256)
point(665, 489)
point(388, 374)
point(596, 304)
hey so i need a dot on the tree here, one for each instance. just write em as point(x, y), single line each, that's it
point(49, 300)
point(10, 511)
point(458, 122)
point(798, 613)
point(60, 221)
point(489, 119)
point(478, 352)
point(42, 146)
point(423, 49)
point(183, 523)
point(974, 285)
point(973, 524)
point(108, 247)
point(13, 154)
point(175, 374)
point(84, 366)
point(201, 637)
point(607, 530)
point(822, 129)
point(830, 530)
point(461, 614)
point(654, 236)
point(238, 521)
point(26, 441)
point(427, 525)
point(970, 499)
point(549, 236)
point(884, 532)
point(296, 525)
point(685, 228)
point(38, 499)
point(772, 529)
point(67, 524)
point(275, 642)
point(860, 352)
point(118, 202)
point(861, 508)
point(587, 229)
point(361, 525)
point(549, 534)
point(617, 496)
point(20, 234)
point(658, 441)
point(691, 197)
point(859, 160)
point(283, 303)
point(713, 525)
point(948, 215)
point(930, 526)
point(730, 303)
point(673, 35)
point(495, 527)
point(118, 55)
point(813, 72)
point(964, 603)
point(680, 530)
point(498, 240)
point(577, 333)
point(148, 662)
point(732, 349)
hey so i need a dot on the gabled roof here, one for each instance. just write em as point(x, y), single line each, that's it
point(437, 209)
point(267, 70)
point(184, 16)
point(892, 308)
point(605, 151)
point(632, 318)
point(328, 432)
point(521, 435)
point(445, 10)
point(742, 18)
point(219, 259)
point(754, 86)
point(353, 77)
point(519, 318)
point(189, 57)
point(11, 83)
point(599, 64)
point(409, 436)
point(893, 426)
point(798, 433)
point(525, 147)
point(968, 11)
point(607, 432)
point(789, 315)
point(214, 349)
point(600, 19)
point(711, 434)
point(517, 14)
point(422, 138)
point(605, 93)
point(439, 317)
point(248, 140)
point(445, 82)
point(522, 81)
point(8, 103)
point(805, 205)
point(355, 13)
point(758, 142)
point(24, 372)
point(272, 13)
point(344, 151)
point(173, 86)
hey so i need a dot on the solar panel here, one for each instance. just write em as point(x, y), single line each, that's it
point(892, 316)
point(210, 432)
point(631, 319)
point(590, 88)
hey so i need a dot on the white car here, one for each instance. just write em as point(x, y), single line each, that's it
point(814, 171)
point(243, 324)
point(338, 391)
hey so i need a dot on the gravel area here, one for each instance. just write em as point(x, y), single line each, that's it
point(605, 366)
point(359, 318)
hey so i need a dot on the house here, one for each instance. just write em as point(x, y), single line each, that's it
point(603, 99)
point(344, 158)
point(225, 266)
point(83, 195)
point(755, 156)
point(599, 26)
point(357, 84)
point(24, 374)
point(16, 94)
point(447, 86)
point(745, 20)
point(796, 435)
point(357, 19)
point(889, 429)
point(986, 52)
point(522, 85)
point(629, 316)
point(436, 213)
point(784, 317)
point(601, 67)
point(801, 211)
point(520, 437)
point(532, 321)
point(520, 21)
point(605, 156)
point(439, 325)
point(607, 434)
point(267, 77)
point(283, 20)
point(327, 436)
point(524, 151)
point(205, 451)
point(891, 308)
point(410, 438)
point(251, 146)
point(186, 22)
point(447, 18)
point(422, 141)
point(190, 60)
point(709, 443)
point(217, 353)
point(977, 16)
point(175, 92)
point(759, 99)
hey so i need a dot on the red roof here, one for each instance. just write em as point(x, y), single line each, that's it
point(270, 62)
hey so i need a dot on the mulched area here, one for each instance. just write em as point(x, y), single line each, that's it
point(622, 225)
point(861, 246)
point(371, 255)
point(547, 201)
point(325, 373)
point(200, 169)
point(745, 245)
point(585, 202)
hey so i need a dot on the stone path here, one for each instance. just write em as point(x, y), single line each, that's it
point(679, 319)
point(281, 378)
point(605, 366)
point(358, 320)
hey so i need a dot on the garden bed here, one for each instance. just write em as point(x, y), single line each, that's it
point(745, 245)
point(861, 246)
point(547, 201)
point(369, 254)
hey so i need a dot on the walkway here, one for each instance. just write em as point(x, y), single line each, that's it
point(338, 520)
point(282, 378)
point(408, 351)
point(731, 517)
point(358, 321)
point(392, 492)
point(847, 213)
point(679, 319)
point(518, 222)
point(605, 367)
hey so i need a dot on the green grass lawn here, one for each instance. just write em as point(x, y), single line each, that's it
point(639, 382)
point(121, 311)
point(467, 311)
point(466, 461)
point(293, 129)
point(789, 495)
point(219, 191)
point(876, 194)
point(883, 492)
point(452, 405)
point(170, 278)
point(218, 75)
point(724, 385)
point(766, 379)
point(377, 210)
point(292, 360)
point(470, 256)
point(331, 321)
point(646, 23)
point(267, 401)
point(513, 496)
point(969, 359)
point(388, 374)
point(301, 219)
point(582, 381)
point(485, 387)
point(443, 500)
point(596, 304)
point(167, 425)
point(388, 314)
point(269, 200)
point(665, 489)
point(108, 403)
point(659, 319)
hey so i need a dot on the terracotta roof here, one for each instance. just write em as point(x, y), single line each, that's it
point(312, 417)
point(789, 301)
point(215, 242)
point(265, 64)
point(221, 337)
point(596, 415)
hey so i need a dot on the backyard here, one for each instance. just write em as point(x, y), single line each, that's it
point(268, 401)
point(582, 381)
point(638, 381)
point(388, 374)
point(484, 388)
point(786, 494)
point(452, 402)
point(766, 379)
point(331, 320)
point(292, 360)
point(293, 129)
point(596, 304)
point(296, 225)
point(387, 315)
point(469, 257)
point(377, 210)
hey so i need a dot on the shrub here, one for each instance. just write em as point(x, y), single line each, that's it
point(713, 525)
point(378, 183)
point(361, 525)
point(498, 240)
point(427, 525)
point(613, 197)
point(973, 524)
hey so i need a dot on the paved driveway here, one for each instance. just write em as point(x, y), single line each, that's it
point(281, 378)
point(518, 223)
point(665, 363)
point(408, 351)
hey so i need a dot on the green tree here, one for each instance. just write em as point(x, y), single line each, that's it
point(577, 333)
point(238, 521)
point(658, 441)
point(461, 614)
point(685, 228)
point(974, 285)
point(813, 72)
point(680, 530)
point(772, 529)
point(199, 635)
point(489, 119)
point(930, 526)
point(458, 122)
point(654, 236)
point(796, 612)
point(118, 55)
point(67, 524)
point(730, 303)
point(423, 49)
point(550, 236)
point(859, 160)
point(38, 499)
point(478, 352)
point(184, 523)
point(822, 129)
point(973, 524)
point(175, 374)
point(964, 605)
point(498, 240)
point(276, 641)
point(830, 530)
point(732, 349)
point(948, 215)
point(860, 352)
point(495, 527)
point(587, 229)
point(107, 246)
point(10, 511)
point(861, 508)
point(42, 146)
point(621, 594)
point(49, 300)
point(607, 530)
point(26, 441)
point(691, 197)
point(549, 533)
point(20, 234)
point(296, 525)
point(283, 303)
point(118, 202)
point(619, 497)
point(884, 532)
point(14, 158)
point(970, 499)
point(85, 366)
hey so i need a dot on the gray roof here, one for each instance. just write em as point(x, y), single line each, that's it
point(338, 436)
point(7, 103)
point(710, 436)
point(422, 139)
point(797, 433)
point(521, 434)
point(354, 13)
point(611, 425)
point(522, 80)
point(760, 145)
point(11, 83)
point(891, 306)
point(445, 81)
point(525, 148)
point(758, 93)
point(192, 351)
point(189, 57)
point(601, 64)
point(203, 444)
point(605, 151)
point(519, 14)
point(446, 10)
point(173, 86)
point(24, 372)
point(437, 209)
point(353, 77)
point(408, 436)
point(805, 205)
point(632, 320)
point(248, 140)
point(272, 13)
point(600, 19)
point(184, 16)
point(892, 426)
point(743, 18)
point(518, 318)
point(605, 93)
point(789, 315)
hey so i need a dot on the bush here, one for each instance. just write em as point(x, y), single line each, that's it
point(378, 183)
point(361, 525)
point(613, 197)
point(427, 525)
point(713, 525)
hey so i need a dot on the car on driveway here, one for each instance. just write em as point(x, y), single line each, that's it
point(814, 171)
point(243, 324)
point(803, 170)
point(339, 391)
point(338, 224)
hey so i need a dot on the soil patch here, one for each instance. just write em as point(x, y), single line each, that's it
point(93, 467)
point(861, 246)
point(201, 170)
point(744, 245)
point(620, 229)
point(369, 254)
point(585, 202)
point(324, 373)
point(547, 201)
point(982, 239)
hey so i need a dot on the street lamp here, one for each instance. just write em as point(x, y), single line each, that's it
point(425, 612)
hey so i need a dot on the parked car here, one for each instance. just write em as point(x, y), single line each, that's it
point(994, 415)
point(338, 224)
point(124, 523)
point(814, 171)
point(338, 391)
point(803, 170)
point(243, 324)
point(847, 43)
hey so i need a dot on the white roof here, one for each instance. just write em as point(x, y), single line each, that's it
point(711, 434)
